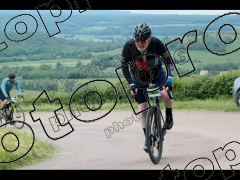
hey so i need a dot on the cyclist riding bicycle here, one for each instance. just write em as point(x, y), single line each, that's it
point(6, 87)
point(143, 43)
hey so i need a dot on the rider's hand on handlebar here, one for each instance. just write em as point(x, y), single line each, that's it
point(166, 88)
point(168, 85)
point(8, 98)
point(133, 89)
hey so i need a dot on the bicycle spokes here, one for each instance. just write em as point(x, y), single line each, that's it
point(154, 136)
point(154, 140)
point(18, 115)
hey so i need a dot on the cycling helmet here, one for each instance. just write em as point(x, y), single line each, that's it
point(11, 75)
point(142, 31)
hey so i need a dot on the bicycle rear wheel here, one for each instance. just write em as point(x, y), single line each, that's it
point(2, 121)
point(154, 134)
point(18, 115)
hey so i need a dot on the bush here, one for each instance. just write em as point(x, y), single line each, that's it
point(204, 87)
point(184, 89)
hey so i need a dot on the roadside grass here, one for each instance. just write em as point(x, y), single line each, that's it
point(40, 151)
point(208, 105)
point(222, 104)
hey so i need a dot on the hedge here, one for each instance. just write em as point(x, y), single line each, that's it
point(185, 88)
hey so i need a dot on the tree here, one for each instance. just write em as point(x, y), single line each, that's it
point(227, 39)
point(79, 64)
point(59, 66)
point(86, 55)
point(44, 67)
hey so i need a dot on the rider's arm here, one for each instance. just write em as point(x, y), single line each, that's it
point(164, 54)
point(4, 87)
point(126, 57)
point(18, 87)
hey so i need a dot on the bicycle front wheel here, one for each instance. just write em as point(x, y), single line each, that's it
point(18, 115)
point(154, 134)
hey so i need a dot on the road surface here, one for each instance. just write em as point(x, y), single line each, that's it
point(195, 134)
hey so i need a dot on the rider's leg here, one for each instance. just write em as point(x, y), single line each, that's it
point(4, 100)
point(4, 103)
point(168, 104)
point(143, 114)
point(11, 115)
point(159, 79)
point(142, 104)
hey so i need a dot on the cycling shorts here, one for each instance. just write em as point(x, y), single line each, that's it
point(158, 79)
point(2, 97)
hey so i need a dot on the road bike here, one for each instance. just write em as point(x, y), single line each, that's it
point(155, 131)
point(14, 111)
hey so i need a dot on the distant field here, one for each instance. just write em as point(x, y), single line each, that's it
point(84, 38)
point(25, 92)
point(112, 80)
point(65, 62)
point(208, 58)
point(94, 28)
point(80, 81)
point(205, 56)
point(97, 38)
point(110, 53)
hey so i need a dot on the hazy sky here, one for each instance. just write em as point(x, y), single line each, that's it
point(185, 12)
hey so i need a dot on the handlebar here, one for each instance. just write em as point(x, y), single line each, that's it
point(153, 88)
point(13, 99)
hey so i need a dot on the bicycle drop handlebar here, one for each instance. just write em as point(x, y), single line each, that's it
point(153, 88)
point(15, 97)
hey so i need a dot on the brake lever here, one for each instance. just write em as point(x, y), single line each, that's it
point(169, 95)
point(21, 98)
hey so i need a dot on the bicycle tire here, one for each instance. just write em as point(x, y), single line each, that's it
point(238, 99)
point(18, 125)
point(156, 137)
point(3, 122)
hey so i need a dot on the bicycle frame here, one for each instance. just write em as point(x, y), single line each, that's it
point(156, 102)
point(156, 105)
point(13, 107)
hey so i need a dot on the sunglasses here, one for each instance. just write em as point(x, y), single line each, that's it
point(140, 41)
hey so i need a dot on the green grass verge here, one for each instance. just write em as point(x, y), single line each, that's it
point(40, 151)
point(221, 104)
point(208, 105)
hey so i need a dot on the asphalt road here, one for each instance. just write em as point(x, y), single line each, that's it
point(195, 134)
